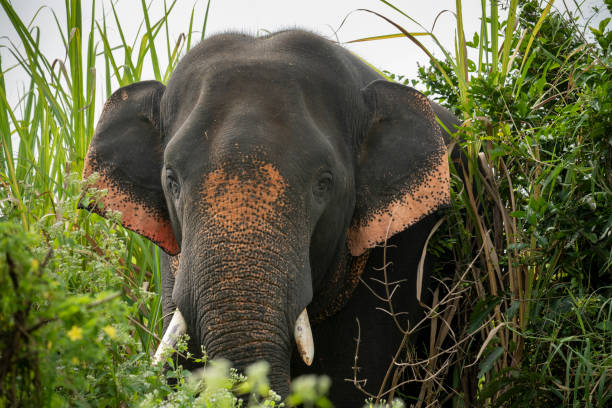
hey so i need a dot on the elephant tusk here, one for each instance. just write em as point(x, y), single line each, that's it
point(303, 337)
point(176, 329)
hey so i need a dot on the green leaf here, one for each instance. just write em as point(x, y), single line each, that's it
point(605, 326)
point(603, 24)
point(488, 362)
point(481, 311)
point(511, 312)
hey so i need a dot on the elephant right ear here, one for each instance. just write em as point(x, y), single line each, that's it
point(402, 168)
point(126, 150)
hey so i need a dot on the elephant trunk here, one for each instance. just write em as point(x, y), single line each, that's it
point(244, 271)
point(246, 306)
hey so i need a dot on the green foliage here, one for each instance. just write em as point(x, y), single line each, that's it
point(219, 385)
point(538, 150)
point(65, 337)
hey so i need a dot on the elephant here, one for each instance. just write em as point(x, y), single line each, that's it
point(278, 173)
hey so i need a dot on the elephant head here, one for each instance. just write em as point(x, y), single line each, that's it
point(269, 164)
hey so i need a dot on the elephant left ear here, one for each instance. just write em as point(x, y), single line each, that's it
point(126, 151)
point(402, 170)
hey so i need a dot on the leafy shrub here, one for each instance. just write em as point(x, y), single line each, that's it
point(538, 144)
point(66, 339)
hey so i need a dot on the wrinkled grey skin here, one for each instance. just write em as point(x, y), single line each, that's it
point(260, 162)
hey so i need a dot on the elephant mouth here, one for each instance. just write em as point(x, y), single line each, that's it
point(302, 334)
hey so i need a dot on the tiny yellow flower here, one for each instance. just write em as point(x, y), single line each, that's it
point(75, 360)
point(111, 331)
point(34, 264)
point(76, 333)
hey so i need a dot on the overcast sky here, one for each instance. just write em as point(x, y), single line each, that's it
point(258, 16)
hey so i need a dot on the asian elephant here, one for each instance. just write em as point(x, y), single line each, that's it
point(271, 170)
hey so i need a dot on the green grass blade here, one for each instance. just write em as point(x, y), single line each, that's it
point(168, 52)
point(7, 144)
point(508, 37)
point(109, 59)
point(462, 62)
point(526, 55)
point(190, 31)
point(418, 43)
point(386, 37)
point(494, 37)
point(75, 30)
point(150, 44)
point(91, 81)
point(8, 154)
point(129, 67)
point(205, 23)
point(447, 55)
point(484, 39)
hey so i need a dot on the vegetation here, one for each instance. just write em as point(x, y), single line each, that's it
point(523, 314)
point(532, 240)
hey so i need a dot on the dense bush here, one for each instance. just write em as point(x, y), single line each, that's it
point(539, 149)
point(65, 336)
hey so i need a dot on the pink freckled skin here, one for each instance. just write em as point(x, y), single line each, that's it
point(433, 192)
point(135, 217)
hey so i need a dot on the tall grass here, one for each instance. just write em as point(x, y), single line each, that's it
point(45, 137)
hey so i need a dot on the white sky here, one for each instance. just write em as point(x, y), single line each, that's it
point(399, 56)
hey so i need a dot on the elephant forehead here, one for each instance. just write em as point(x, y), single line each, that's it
point(252, 193)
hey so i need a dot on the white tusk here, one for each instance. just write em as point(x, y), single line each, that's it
point(303, 337)
point(176, 329)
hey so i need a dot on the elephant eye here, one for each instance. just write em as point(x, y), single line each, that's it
point(172, 184)
point(323, 184)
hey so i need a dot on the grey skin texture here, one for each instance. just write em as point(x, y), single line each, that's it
point(270, 170)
